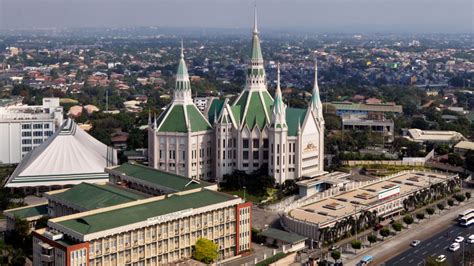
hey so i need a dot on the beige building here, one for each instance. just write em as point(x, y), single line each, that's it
point(154, 231)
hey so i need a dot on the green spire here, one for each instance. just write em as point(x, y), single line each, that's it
point(182, 76)
point(279, 113)
point(256, 50)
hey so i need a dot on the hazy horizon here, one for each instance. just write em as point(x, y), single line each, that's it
point(345, 16)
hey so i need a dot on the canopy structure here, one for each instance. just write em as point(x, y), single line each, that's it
point(70, 156)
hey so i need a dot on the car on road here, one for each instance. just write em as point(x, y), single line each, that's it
point(415, 243)
point(454, 246)
point(459, 239)
point(334, 247)
point(441, 258)
point(470, 239)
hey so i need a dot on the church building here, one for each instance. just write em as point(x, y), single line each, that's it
point(256, 130)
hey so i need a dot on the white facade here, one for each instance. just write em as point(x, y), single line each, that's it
point(23, 127)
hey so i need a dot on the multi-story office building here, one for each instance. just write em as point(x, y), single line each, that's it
point(254, 131)
point(154, 231)
point(24, 127)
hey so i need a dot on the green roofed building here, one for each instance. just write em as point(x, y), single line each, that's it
point(153, 231)
point(253, 131)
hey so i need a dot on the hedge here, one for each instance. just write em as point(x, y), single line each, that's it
point(272, 259)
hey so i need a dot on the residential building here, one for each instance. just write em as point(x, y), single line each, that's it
point(463, 147)
point(24, 127)
point(377, 124)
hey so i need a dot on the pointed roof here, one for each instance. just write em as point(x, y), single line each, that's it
point(315, 99)
point(256, 49)
point(182, 115)
point(279, 107)
point(70, 156)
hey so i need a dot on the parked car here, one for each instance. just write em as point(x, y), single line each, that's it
point(378, 227)
point(415, 243)
point(459, 239)
point(441, 258)
point(470, 239)
point(334, 247)
point(454, 246)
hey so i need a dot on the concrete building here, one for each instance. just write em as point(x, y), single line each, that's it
point(24, 127)
point(252, 132)
point(385, 196)
point(463, 147)
point(154, 231)
point(364, 109)
point(433, 136)
point(384, 127)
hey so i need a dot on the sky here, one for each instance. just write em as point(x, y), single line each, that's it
point(346, 16)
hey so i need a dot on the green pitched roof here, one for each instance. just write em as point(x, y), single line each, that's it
point(24, 213)
point(255, 112)
point(197, 120)
point(160, 178)
point(215, 109)
point(138, 213)
point(293, 116)
point(92, 196)
point(283, 236)
point(175, 121)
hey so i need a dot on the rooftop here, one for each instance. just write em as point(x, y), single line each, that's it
point(466, 145)
point(283, 236)
point(434, 135)
point(383, 107)
point(157, 177)
point(28, 211)
point(330, 209)
point(93, 196)
point(96, 222)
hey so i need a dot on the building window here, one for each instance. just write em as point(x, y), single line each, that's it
point(26, 126)
point(255, 155)
point(255, 143)
point(265, 155)
point(265, 143)
point(37, 141)
point(37, 133)
point(37, 126)
point(278, 148)
point(245, 143)
point(26, 149)
point(26, 141)
point(183, 153)
point(26, 134)
point(46, 126)
point(245, 155)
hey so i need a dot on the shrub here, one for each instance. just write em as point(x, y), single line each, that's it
point(440, 206)
point(205, 250)
point(272, 259)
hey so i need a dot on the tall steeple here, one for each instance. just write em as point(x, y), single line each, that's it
point(315, 104)
point(279, 108)
point(255, 71)
point(182, 90)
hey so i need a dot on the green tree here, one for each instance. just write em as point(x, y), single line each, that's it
point(450, 202)
point(420, 216)
point(470, 160)
point(460, 197)
point(440, 207)
point(205, 251)
point(336, 254)
point(384, 232)
point(372, 238)
point(408, 219)
point(397, 226)
point(455, 159)
point(356, 244)
point(430, 211)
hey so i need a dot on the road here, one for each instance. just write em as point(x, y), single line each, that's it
point(434, 246)
point(426, 229)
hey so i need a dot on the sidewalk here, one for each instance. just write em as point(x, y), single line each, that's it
point(394, 245)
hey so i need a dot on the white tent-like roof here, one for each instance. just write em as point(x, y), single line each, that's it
point(70, 156)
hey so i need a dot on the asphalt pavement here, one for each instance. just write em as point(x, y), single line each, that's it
point(435, 246)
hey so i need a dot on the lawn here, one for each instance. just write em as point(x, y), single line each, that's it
point(249, 197)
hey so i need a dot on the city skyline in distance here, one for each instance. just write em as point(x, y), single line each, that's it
point(360, 16)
